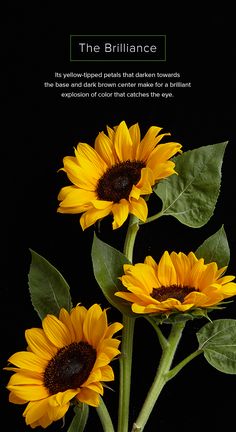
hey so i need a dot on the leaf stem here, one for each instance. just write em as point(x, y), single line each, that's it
point(127, 339)
point(160, 378)
point(104, 417)
point(152, 218)
point(172, 372)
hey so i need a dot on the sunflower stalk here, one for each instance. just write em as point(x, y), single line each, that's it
point(161, 377)
point(104, 416)
point(127, 339)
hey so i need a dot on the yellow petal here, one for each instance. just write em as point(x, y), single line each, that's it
point(123, 143)
point(102, 205)
point(89, 159)
point(62, 398)
point(93, 215)
point(228, 290)
point(65, 318)
point(146, 181)
point(104, 147)
point(111, 133)
point(24, 379)
point(148, 143)
point(120, 212)
point(81, 176)
point(140, 276)
point(90, 397)
point(28, 361)
point(208, 276)
point(166, 271)
point(107, 373)
point(39, 344)
point(196, 298)
point(78, 315)
point(56, 331)
point(139, 209)
point(113, 328)
point(162, 153)
point(74, 197)
point(96, 386)
point(16, 400)
point(95, 325)
point(134, 132)
point(151, 262)
point(29, 392)
point(36, 414)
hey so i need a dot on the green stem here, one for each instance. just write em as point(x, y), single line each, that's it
point(127, 340)
point(172, 372)
point(160, 378)
point(152, 218)
point(125, 373)
point(130, 237)
point(163, 341)
point(104, 417)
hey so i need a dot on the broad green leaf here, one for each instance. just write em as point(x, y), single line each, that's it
point(48, 289)
point(191, 195)
point(80, 419)
point(108, 267)
point(217, 339)
point(215, 248)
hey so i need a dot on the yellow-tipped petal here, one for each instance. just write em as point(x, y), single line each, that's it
point(56, 331)
point(28, 361)
point(123, 143)
point(104, 147)
point(139, 209)
point(93, 215)
point(39, 344)
point(120, 212)
point(90, 397)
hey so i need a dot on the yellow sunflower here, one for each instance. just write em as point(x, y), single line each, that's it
point(178, 282)
point(68, 358)
point(112, 176)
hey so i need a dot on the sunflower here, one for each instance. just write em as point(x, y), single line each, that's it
point(113, 176)
point(68, 358)
point(177, 283)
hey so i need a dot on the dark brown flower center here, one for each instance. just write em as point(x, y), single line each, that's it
point(173, 291)
point(70, 367)
point(118, 180)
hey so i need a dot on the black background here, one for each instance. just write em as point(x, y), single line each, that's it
point(42, 128)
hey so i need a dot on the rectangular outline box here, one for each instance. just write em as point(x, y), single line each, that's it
point(117, 60)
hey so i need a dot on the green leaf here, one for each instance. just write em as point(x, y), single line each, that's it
point(217, 339)
point(215, 248)
point(191, 195)
point(80, 419)
point(48, 289)
point(108, 267)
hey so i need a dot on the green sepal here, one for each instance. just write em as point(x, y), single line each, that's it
point(175, 317)
point(80, 418)
point(191, 195)
point(197, 312)
point(49, 291)
point(215, 248)
point(108, 265)
point(217, 340)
